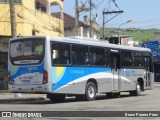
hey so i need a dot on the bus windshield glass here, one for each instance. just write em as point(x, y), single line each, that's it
point(28, 51)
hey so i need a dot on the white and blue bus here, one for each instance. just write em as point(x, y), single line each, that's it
point(81, 67)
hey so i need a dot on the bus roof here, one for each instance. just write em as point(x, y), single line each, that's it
point(86, 41)
point(96, 42)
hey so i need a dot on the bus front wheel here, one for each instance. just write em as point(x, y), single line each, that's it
point(90, 92)
point(137, 91)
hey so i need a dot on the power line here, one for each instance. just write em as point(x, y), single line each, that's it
point(4, 29)
point(149, 26)
point(114, 1)
point(99, 3)
point(108, 5)
point(139, 22)
point(4, 15)
point(43, 19)
point(34, 23)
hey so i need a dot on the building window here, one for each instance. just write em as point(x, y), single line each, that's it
point(7, 1)
point(41, 7)
point(4, 1)
point(17, 1)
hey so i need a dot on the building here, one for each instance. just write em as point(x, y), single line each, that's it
point(33, 17)
point(157, 36)
point(122, 40)
point(84, 27)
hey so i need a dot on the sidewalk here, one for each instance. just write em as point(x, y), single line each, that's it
point(12, 97)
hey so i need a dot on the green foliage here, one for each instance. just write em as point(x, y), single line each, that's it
point(138, 34)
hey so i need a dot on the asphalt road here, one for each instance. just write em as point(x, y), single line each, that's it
point(147, 101)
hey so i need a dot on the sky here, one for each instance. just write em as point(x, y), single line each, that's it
point(145, 14)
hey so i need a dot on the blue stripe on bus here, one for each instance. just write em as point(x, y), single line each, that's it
point(63, 75)
point(16, 71)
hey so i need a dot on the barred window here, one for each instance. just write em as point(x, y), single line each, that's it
point(7, 1)
point(41, 7)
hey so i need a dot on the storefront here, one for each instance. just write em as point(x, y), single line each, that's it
point(155, 48)
point(3, 71)
point(4, 41)
point(157, 71)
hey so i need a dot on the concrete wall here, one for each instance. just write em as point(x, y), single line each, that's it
point(85, 30)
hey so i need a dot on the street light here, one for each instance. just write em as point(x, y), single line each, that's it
point(124, 23)
point(119, 41)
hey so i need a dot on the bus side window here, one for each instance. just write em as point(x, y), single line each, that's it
point(61, 53)
point(80, 55)
point(126, 58)
point(107, 58)
point(97, 56)
point(138, 59)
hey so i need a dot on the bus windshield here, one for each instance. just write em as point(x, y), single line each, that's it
point(28, 51)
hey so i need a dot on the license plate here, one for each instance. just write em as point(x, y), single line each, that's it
point(25, 82)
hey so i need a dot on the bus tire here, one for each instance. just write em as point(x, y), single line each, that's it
point(56, 97)
point(90, 91)
point(137, 91)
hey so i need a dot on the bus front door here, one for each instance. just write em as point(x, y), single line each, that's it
point(115, 64)
point(148, 69)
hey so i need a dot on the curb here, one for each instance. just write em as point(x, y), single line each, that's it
point(4, 91)
point(10, 100)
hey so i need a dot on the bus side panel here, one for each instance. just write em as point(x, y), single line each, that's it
point(105, 84)
point(72, 80)
point(152, 80)
point(129, 78)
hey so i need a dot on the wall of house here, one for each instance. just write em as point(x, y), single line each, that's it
point(31, 19)
point(70, 32)
point(86, 32)
point(27, 20)
point(157, 36)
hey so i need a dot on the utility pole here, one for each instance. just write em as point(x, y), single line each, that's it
point(103, 24)
point(76, 18)
point(12, 18)
point(13, 29)
point(104, 18)
point(78, 9)
point(90, 18)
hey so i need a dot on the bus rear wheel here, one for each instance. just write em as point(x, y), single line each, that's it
point(56, 97)
point(90, 92)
